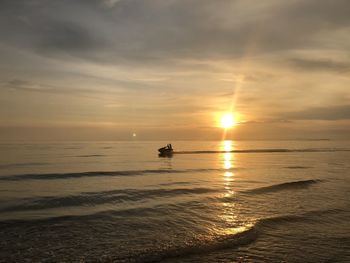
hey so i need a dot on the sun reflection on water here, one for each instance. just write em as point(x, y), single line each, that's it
point(228, 165)
point(228, 176)
point(227, 160)
point(237, 230)
point(227, 145)
point(230, 208)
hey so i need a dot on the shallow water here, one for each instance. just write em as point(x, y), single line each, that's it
point(244, 201)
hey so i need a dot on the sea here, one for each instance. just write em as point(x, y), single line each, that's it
point(216, 201)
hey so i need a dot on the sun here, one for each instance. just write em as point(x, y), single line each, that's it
point(228, 121)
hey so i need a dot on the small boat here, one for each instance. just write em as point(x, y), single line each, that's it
point(166, 151)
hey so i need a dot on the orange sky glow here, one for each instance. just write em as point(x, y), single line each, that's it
point(164, 70)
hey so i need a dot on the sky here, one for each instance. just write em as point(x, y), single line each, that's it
point(168, 69)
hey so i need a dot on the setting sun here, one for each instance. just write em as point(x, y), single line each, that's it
point(228, 121)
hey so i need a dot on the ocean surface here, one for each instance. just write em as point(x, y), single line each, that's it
point(228, 201)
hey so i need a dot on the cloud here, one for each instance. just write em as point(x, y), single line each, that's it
point(29, 86)
point(341, 112)
point(321, 64)
point(110, 3)
point(138, 31)
point(67, 37)
point(24, 85)
point(188, 58)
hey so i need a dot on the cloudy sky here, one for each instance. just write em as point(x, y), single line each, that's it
point(166, 69)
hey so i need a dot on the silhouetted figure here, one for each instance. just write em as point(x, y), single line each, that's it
point(170, 147)
point(166, 151)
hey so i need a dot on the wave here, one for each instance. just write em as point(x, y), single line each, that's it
point(200, 246)
point(72, 148)
point(246, 237)
point(55, 176)
point(104, 215)
point(283, 186)
point(97, 198)
point(174, 183)
point(297, 167)
point(91, 155)
point(159, 210)
point(310, 215)
point(268, 151)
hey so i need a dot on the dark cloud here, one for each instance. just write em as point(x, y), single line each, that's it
point(321, 64)
point(322, 113)
point(67, 37)
point(133, 30)
point(49, 28)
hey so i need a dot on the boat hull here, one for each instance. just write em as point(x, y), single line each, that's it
point(165, 152)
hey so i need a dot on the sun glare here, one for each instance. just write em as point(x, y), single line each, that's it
point(228, 121)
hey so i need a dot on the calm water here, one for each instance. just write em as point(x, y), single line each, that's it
point(120, 202)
